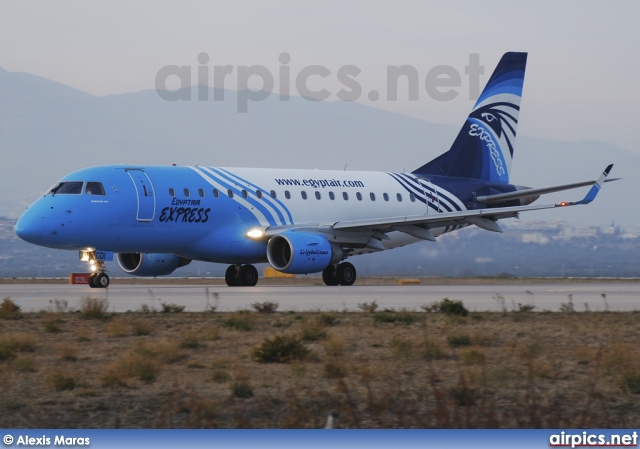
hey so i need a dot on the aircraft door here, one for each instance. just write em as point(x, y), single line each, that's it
point(145, 194)
point(431, 195)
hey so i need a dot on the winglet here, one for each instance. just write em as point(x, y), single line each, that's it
point(593, 192)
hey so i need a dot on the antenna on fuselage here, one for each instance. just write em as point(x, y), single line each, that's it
point(345, 167)
point(197, 162)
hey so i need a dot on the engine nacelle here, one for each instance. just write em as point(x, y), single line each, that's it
point(301, 252)
point(150, 264)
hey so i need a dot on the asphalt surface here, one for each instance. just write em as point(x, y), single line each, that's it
point(593, 296)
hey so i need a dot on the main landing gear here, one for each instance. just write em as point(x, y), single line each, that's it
point(241, 276)
point(339, 274)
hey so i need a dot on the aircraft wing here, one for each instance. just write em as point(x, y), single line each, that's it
point(418, 225)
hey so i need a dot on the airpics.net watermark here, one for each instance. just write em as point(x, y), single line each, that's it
point(257, 82)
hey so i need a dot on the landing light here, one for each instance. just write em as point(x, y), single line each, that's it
point(255, 233)
point(93, 267)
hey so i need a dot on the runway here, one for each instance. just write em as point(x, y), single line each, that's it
point(593, 296)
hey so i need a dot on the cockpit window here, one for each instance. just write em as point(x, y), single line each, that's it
point(94, 188)
point(67, 188)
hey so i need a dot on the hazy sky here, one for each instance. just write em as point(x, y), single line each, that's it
point(582, 74)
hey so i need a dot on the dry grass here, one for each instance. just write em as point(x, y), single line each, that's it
point(420, 370)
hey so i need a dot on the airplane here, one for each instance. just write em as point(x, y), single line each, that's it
point(159, 218)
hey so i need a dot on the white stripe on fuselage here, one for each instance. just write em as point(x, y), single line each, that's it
point(327, 211)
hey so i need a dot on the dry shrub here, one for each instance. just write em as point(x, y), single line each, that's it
point(528, 349)
point(118, 327)
point(335, 370)
point(335, 345)
point(483, 337)
point(52, 323)
point(68, 352)
point(620, 358)
point(141, 327)
point(458, 340)
point(25, 364)
point(14, 342)
point(401, 347)
point(187, 409)
point(585, 355)
point(472, 357)
point(211, 333)
point(94, 308)
point(166, 351)
point(191, 340)
point(432, 350)
point(265, 306)
point(61, 381)
point(242, 321)
point(631, 383)
point(242, 390)
point(392, 316)
point(9, 310)
point(131, 367)
point(280, 349)
point(313, 332)
point(220, 370)
point(328, 320)
point(84, 334)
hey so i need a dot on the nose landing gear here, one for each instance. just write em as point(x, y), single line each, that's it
point(99, 277)
point(99, 280)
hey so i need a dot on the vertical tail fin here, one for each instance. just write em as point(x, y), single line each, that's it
point(484, 146)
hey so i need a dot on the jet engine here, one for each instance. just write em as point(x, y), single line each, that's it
point(150, 264)
point(302, 252)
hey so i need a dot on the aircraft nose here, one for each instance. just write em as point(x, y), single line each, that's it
point(29, 228)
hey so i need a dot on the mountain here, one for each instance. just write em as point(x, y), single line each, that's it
point(48, 129)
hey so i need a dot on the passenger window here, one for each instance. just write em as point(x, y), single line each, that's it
point(258, 194)
point(399, 196)
point(172, 192)
point(216, 194)
point(273, 194)
point(230, 193)
point(201, 193)
point(67, 188)
point(372, 196)
point(359, 196)
point(287, 195)
point(412, 197)
point(94, 188)
point(244, 194)
point(318, 196)
point(345, 195)
point(187, 193)
point(332, 196)
point(304, 195)
point(385, 196)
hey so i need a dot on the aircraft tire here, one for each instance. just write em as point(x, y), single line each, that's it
point(330, 276)
point(248, 275)
point(101, 280)
point(92, 278)
point(346, 273)
point(231, 276)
